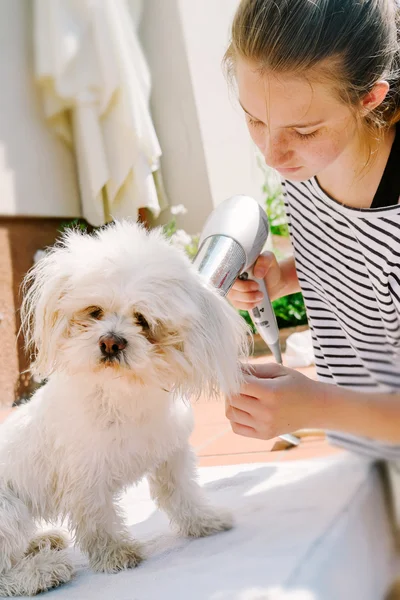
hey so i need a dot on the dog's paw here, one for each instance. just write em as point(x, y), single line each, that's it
point(36, 573)
point(52, 569)
point(209, 522)
point(48, 540)
point(116, 556)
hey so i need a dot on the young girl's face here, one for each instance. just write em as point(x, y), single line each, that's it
point(300, 127)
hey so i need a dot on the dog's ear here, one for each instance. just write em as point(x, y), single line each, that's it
point(43, 324)
point(216, 342)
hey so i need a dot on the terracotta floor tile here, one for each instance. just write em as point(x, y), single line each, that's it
point(307, 451)
point(209, 412)
point(230, 443)
point(203, 435)
point(236, 459)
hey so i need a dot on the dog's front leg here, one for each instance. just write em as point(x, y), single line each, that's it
point(175, 491)
point(101, 534)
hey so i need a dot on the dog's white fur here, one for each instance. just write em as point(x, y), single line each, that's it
point(96, 427)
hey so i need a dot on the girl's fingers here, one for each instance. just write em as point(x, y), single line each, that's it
point(263, 263)
point(244, 430)
point(242, 285)
point(246, 306)
point(262, 380)
point(244, 297)
point(269, 370)
point(243, 402)
point(235, 415)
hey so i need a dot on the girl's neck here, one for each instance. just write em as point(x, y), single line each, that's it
point(352, 183)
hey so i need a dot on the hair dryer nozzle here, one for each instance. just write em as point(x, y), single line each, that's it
point(219, 260)
point(244, 221)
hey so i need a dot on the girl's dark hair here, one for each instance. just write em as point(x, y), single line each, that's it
point(360, 36)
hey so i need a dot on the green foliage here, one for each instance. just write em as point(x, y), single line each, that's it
point(275, 209)
point(73, 224)
point(170, 228)
point(192, 248)
point(179, 238)
point(274, 203)
point(290, 311)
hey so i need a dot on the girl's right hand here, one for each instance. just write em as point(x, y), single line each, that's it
point(245, 295)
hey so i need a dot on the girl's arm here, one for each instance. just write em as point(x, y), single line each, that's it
point(373, 415)
point(275, 400)
point(289, 283)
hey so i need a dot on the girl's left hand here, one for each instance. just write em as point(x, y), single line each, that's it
point(274, 400)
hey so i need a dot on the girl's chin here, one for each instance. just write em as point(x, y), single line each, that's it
point(295, 174)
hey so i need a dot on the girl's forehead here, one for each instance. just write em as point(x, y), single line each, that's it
point(285, 99)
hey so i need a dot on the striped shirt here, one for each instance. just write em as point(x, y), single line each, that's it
point(348, 266)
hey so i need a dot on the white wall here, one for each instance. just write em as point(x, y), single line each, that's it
point(228, 149)
point(207, 152)
point(174, 110)
point(37, 172)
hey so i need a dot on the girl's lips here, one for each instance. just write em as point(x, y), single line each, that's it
point(288, 169)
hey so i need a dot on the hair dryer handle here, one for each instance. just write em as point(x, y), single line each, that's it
point(264, 319)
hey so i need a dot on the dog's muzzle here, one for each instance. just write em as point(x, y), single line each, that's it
point(111, 346)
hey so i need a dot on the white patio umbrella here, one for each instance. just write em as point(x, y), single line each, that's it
point(96, 86)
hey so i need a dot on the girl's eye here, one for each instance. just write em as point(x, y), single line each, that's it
point(307, 136)
point(254, 123)
point(141, 320)
point(95, 312)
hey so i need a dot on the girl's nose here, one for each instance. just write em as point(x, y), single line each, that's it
point(276, 152)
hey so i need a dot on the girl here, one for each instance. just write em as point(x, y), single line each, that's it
point(319, 83)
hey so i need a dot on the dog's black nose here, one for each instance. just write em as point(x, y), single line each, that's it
point(111, 344)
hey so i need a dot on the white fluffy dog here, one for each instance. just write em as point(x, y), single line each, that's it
point(124, 330)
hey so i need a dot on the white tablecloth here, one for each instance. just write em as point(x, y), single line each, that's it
point(312, 530)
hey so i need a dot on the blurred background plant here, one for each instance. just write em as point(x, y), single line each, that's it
point(274, 203)
point(289, 311)
point(80, 224)
point(179, 237)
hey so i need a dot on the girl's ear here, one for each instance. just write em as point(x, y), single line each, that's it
point(375, 97)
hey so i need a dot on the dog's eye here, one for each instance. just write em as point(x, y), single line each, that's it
point(140, 320)
point(95, 312)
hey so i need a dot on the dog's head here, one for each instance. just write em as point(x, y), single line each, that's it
point(125, 302)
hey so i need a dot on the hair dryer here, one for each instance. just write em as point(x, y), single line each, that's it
point(233, 237)
point(231, 241)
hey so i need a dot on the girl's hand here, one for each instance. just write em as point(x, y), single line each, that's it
point(273, 401)
point(245, 295)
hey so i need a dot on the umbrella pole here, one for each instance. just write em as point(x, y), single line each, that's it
point(106, 205)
